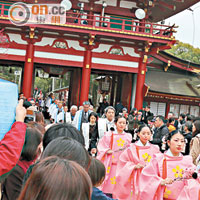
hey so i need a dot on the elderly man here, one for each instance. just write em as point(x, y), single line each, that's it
point(67, 117)
point(52, 109)
point(160, 131)
point(105, 124)
point(73, 111)
point(82, 116)
point(56, 112)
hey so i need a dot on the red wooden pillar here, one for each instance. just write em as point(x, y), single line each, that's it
point(139, 97)
point(167, 109)
point(91, 15)
point(28, 70)
point(86, 71)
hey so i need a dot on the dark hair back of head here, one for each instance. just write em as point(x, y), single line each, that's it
point(150, 118)
point(133, 110)
point(96, 171)
point(60, 130)
point(55, 178)
point(182, 115)
point(39, 117)
point(68, 148)
point(189, 117)
point(197, 126)
point(172, 119)
point(32, 141)
point(188, 124)
point(40, 127)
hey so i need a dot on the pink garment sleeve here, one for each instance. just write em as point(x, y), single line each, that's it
point(150, 182)
point(190, 191)
point(103, 145)
point(11, 147)
point(125, 171)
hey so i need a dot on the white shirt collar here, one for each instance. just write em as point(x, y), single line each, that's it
point(139, 143)
point(169, 153)
point(109, 122)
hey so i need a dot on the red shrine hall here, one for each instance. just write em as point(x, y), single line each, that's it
point(115, 44)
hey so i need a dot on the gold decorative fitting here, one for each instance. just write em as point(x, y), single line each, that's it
point(142, 72)
point(168, 65)
point(146, 49)
point(91, 39)
point(29, 60)
point(32, 35)
point(145, 58)
point(87, 66)
point(157, 50)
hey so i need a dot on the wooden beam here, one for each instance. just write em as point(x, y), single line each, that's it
point(169, 6)
point(179, 1)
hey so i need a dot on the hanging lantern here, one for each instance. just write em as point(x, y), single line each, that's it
point(105, 84)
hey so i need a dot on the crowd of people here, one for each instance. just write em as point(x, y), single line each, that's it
point(112, 154)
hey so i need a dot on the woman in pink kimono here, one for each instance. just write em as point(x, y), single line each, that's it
point(110, 147)
point(131, 163)
point(166, 176)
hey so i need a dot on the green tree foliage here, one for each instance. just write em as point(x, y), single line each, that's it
point(43, 83)
point(8, 73)
point(186, 52)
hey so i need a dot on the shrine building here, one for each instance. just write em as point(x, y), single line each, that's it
point(118, 41)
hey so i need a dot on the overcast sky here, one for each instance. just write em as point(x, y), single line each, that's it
point(189, 25)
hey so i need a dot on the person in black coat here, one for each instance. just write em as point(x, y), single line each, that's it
point(93, 133)
point(102, 107)
point(147, 113)
point(188, 136)
point(97, 174)
point(159, 132)
point(118, 108)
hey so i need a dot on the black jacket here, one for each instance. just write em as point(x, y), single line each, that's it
point(145, 115)
point(159, 133)
point(188, 137)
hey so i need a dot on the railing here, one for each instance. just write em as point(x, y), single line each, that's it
point(110, 23)
point(120, 24)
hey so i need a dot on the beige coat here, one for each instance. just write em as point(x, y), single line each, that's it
point(195, 148)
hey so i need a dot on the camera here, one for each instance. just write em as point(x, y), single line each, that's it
point(30, 116)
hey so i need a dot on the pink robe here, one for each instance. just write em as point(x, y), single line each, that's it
point(165, 166)
point(112, 141)
point(127, 177)
point(191, 191)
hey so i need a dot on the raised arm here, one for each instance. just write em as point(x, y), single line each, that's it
point(12, 143)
